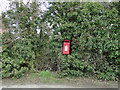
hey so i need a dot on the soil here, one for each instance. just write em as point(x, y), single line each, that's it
point(29, 81)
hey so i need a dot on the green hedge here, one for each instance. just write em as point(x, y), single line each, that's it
point(93, 31)
point(91, 27)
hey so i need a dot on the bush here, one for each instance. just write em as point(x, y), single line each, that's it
point(21, 42)
point(91, 28)
point(93, 31)
point(15, 67)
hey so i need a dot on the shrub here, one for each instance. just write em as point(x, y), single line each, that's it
point(93, 31)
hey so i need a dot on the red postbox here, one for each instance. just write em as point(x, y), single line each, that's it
point(66, 47)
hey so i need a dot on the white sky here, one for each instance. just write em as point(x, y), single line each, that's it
point(4, 4)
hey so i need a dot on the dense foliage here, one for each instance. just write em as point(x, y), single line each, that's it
point(93, 31)
point(22, 45)
point(91, 27)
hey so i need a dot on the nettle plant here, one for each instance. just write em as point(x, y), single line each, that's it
point(93, 31)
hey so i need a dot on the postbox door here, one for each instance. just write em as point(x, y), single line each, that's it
point(66, 47)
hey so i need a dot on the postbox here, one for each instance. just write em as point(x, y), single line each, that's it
point(66, 47)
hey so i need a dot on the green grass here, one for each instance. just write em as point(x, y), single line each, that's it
point(44, 74)
point(47, 77)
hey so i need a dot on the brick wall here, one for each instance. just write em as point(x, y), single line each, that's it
point(0, 38)
point(0, 48)
point(0, 31)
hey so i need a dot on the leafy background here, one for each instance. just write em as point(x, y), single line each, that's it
point(91, 27)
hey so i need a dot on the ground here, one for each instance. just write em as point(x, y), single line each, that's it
point(36, 80)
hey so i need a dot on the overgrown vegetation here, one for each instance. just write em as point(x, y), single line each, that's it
point(22, 46)
point(91, 27)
